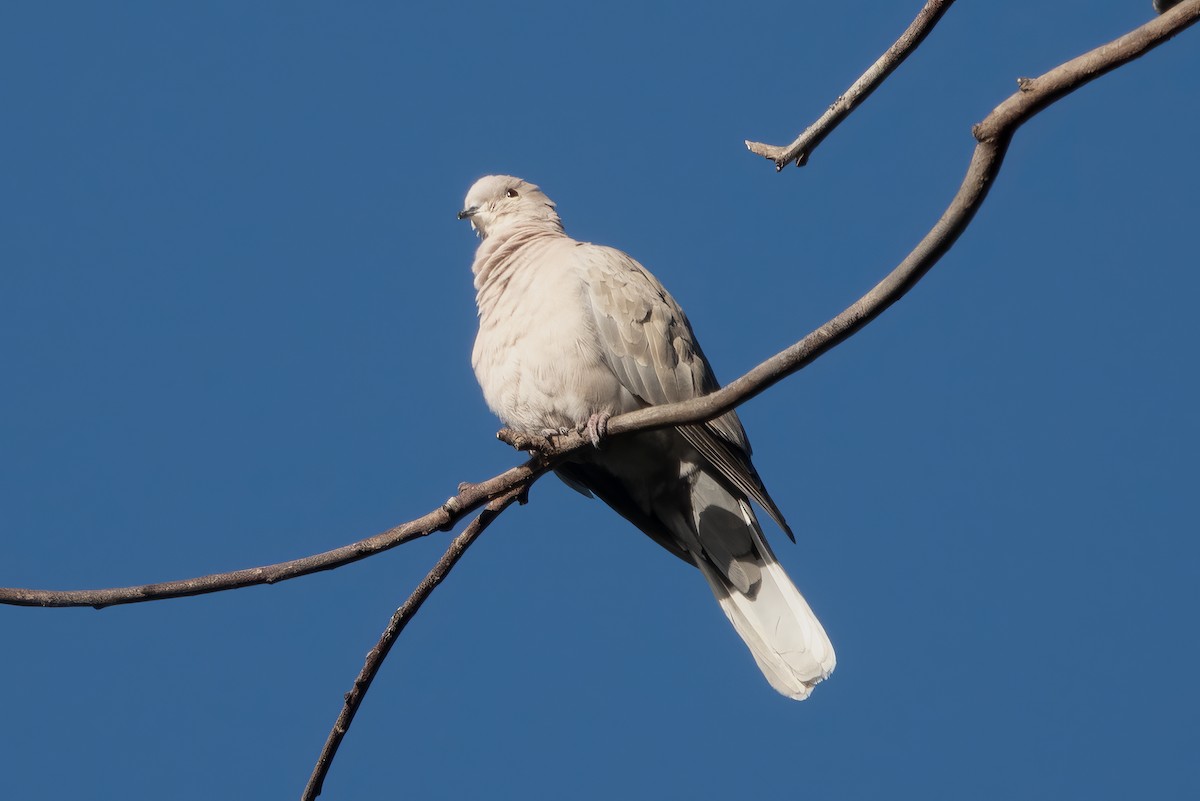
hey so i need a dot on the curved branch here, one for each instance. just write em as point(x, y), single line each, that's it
point(993, 135)
point(395, 626)
point(860, 90)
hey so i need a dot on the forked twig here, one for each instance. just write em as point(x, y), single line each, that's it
point(799, 150)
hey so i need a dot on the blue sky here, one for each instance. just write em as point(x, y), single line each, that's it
point(235, 324)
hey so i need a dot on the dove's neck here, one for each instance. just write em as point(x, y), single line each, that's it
point(495, 258)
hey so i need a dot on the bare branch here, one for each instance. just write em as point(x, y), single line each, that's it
point(469, 498)
point(395, 626)
point(860, 90)
point(993, 134)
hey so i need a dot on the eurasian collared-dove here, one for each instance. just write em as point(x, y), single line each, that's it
point(571, 333)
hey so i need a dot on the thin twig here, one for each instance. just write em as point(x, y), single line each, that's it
point(375, 657)
point(993, 134)
point(860, 90)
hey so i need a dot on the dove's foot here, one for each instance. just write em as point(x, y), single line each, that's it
point(596, 427)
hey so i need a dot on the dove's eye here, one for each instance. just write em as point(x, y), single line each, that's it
point(511, 193)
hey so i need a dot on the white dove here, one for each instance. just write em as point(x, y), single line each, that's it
point(571, 333)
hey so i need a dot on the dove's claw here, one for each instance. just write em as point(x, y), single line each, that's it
point(596, 427)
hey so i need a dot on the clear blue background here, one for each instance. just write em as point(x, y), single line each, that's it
point(235, 324)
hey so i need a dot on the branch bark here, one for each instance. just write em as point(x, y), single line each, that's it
point(395, 626)
point(799, 150)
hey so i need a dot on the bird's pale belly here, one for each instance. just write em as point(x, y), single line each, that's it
point(540, 381)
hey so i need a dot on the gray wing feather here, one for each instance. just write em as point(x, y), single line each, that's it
point(649, 345)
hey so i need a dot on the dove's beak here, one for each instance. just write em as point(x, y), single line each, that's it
point(468, 212)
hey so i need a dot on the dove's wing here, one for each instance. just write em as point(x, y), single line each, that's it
point(649, 344)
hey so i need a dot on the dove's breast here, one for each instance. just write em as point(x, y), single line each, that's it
point(537, 355)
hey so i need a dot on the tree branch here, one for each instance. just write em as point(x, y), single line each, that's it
point(469, 498)
point(993, 135)
point(799, 150)
point(395, 626)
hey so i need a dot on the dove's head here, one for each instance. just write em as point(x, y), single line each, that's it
point(500, 201)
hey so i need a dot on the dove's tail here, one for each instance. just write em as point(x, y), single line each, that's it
point(768, 612)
